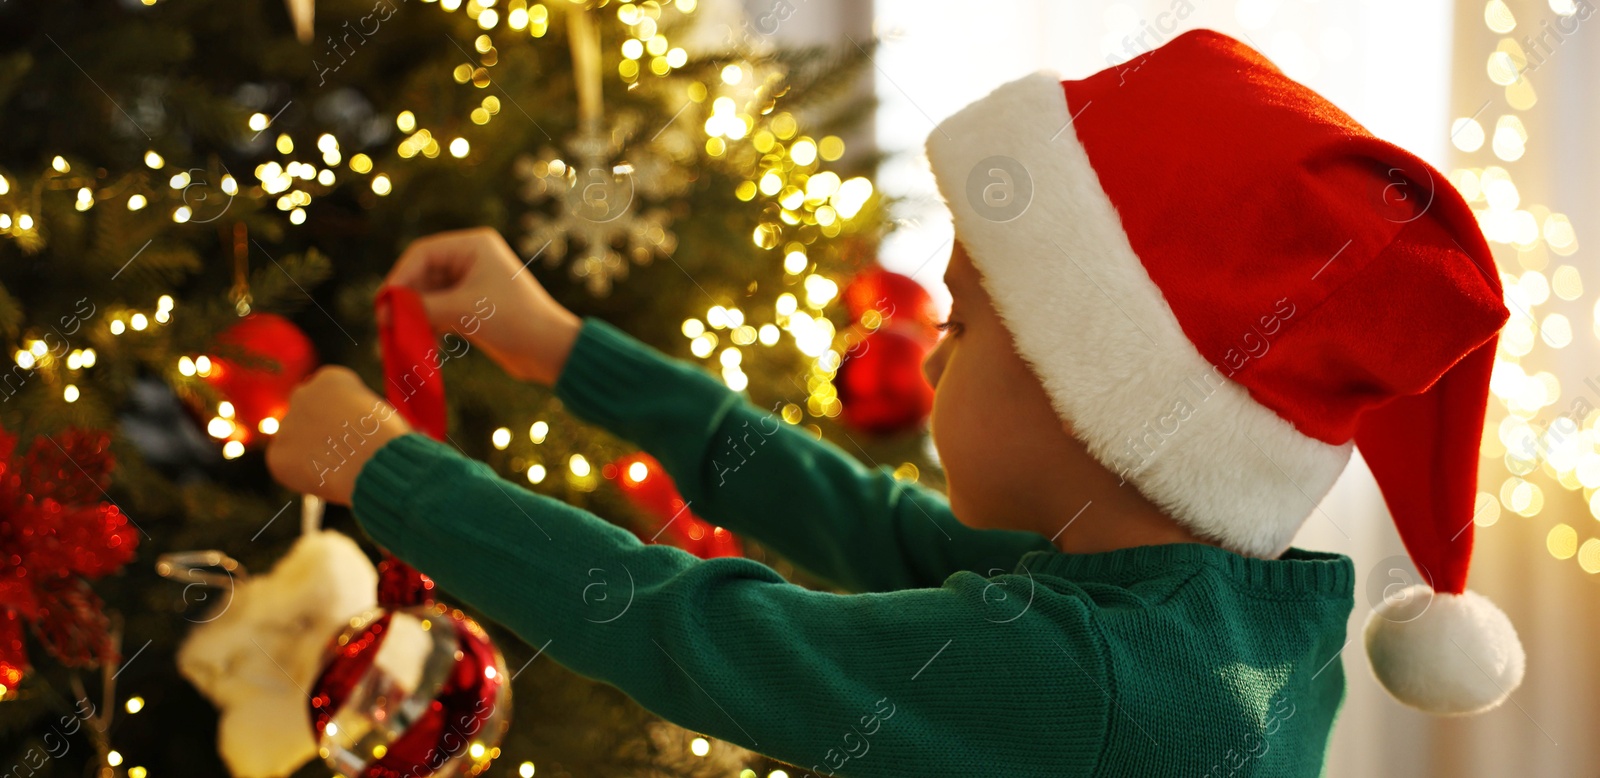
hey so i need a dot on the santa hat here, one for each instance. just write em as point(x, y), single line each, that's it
point(1224, 283)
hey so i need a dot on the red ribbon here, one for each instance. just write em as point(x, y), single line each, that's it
point(411, 375)
point(414, 385)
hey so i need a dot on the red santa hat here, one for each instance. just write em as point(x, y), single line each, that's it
point(1224, 284)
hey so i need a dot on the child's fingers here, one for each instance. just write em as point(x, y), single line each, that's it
point(431, 264)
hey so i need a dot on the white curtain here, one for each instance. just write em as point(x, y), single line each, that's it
point(1406, 70)
point(1550, 731)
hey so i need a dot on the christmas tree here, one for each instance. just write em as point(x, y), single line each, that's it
point(198, 203)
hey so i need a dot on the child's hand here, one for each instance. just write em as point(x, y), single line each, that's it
point(473, 284)
point(333, 426)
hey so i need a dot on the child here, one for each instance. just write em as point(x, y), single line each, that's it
point(1184, 289)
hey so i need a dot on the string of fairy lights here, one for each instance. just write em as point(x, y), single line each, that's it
point(1566, 450)
point(800, 204)
point(799, 201)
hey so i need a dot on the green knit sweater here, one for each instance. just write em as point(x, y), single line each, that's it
point(960, 651)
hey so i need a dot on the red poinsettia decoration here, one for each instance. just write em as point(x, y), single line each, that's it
point(57, 532)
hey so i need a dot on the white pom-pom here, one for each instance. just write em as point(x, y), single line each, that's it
point(1447, 654)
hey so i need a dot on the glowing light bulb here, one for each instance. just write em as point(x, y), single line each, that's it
point(219, 427)
point(580, 465)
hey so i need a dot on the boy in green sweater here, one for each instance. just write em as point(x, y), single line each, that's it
point(1137, 405)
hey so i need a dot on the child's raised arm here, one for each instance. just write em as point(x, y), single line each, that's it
point(737, 465)
point(743, 468)
point(973, 677)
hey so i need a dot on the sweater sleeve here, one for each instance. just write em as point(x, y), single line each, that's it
point(743, 468)
point(939, 681)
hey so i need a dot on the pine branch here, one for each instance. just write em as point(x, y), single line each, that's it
point(283, 283)
point(14, 70)
point(10, 314)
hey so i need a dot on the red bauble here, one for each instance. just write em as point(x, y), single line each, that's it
point(895, 297)
point(275, 357)
point(411, 692)
point(881, 383)
point(648, 487)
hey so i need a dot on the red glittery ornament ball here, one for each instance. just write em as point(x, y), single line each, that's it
point(895, 297)
point(881, 384)
point(256, 364)
point(411, 692)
